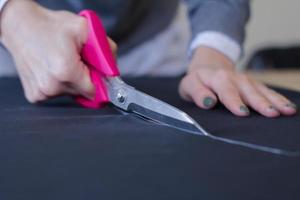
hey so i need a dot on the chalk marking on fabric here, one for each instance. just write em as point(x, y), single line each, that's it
point(272, 150)
point(257, 147)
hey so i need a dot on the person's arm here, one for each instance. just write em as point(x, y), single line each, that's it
point(2, 4)
point(218, 28)
point(221, 20)
point(46, 46)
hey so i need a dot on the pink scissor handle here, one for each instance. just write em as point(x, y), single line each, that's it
point(97, 54)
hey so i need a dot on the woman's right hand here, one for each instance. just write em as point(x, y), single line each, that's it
point(46, 47)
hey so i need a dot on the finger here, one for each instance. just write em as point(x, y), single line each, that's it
point(71, 91)
point(29, 84)
point(280, 102)
point(26, 87)
point(83, 84)
point(221, 83)
point(39, 96)
point(192, 89)
point(35, 94)
point(32, 92)
point(48, 85)
point(58, 88)
point(229, 95)
point(45, 84)
point(113, 46)
point(255, 98)
point(69, 70)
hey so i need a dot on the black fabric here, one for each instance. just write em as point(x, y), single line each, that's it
point(59, 150)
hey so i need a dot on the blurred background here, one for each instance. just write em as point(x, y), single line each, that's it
point(272, 47)
point(274, 25)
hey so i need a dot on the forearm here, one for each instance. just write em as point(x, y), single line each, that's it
point(8, 5)
point(2, 6)
point(15, 17)
point(10, 13)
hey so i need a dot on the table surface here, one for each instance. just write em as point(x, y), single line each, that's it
point(59, 150)
point(282, 78)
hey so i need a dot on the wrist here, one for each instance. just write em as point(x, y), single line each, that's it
point(13, 16)
point(5, 16)
point(218, 41)
point(206, 57)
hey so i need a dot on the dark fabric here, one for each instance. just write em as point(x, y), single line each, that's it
point(61, 151)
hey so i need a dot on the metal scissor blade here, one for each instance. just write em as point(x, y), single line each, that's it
point(131, 100)
point(183, 124)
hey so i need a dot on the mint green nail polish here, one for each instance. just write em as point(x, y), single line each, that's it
point(292, 105)
point(245, 109)
point(271, 107)
point(209, 102)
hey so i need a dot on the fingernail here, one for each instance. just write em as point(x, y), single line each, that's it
point(291, 105)
point(209, 102)
point(272, 109)
point(245, 109)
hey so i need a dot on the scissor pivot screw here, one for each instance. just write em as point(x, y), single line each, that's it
point(121, 97)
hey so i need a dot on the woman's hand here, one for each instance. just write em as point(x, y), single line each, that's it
point(212, 77)
point(46, 49)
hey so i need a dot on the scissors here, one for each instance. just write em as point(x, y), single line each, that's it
point(111, 89)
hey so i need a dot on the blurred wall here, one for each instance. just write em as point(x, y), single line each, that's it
point(273, 23)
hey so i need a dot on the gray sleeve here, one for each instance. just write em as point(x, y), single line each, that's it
point(225, 16)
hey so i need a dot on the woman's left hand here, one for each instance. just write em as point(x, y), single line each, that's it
point(212, 77)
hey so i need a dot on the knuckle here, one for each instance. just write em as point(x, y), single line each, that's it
point(184, 87)
point(244, 78)
point(223, 75)
point(49, 88)
point(29, 98)
point(62, 70)
point(187, 80)
point(64, 13)
point(35, 98)
point(40, 97)
point(220, 79)
point(80, 24)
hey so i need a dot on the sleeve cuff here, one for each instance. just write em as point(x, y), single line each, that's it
point(219, 42)
point(2, 4)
